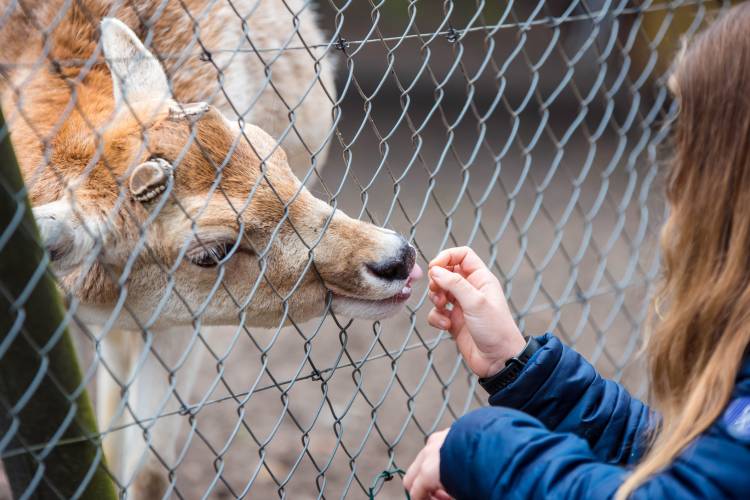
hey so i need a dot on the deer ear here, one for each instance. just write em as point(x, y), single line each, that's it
point(150, 179)
point(63, 236)
point(136, 74)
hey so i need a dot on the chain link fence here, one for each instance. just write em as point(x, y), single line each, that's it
point(202, 299)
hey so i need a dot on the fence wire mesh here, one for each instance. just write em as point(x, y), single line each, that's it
point(206, 287)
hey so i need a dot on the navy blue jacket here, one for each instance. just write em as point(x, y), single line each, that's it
point(562, 431)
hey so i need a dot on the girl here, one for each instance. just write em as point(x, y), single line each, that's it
point(555, 428)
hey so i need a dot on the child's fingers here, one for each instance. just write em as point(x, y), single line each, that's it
point(413, 469)
point(419, 490)
point(437, 290)
point(438, 320)
point(441, 494)
point(464, 262)
point(464, 257)
point(433, 285)
point(456, 317)
point(466, 295)
point(439, 299)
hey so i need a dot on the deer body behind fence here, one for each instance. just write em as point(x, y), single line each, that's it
point(160, 209)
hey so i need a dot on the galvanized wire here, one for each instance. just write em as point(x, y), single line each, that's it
point(533, 133)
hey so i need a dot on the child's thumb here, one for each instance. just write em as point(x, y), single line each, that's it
point(464, 292)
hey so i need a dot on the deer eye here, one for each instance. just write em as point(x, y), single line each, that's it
point(210, 255)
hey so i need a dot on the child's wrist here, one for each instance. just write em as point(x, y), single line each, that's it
point(516, 344)
point(513, 368)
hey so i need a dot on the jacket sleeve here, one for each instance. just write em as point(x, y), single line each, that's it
point(503, 453)
point(566, 394)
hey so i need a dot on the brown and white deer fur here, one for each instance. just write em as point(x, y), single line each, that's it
point(161, 205)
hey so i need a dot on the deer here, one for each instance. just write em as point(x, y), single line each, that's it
point(166, 196)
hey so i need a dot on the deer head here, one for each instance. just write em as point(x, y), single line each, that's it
point(187, 215)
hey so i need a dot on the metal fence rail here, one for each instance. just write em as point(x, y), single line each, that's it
point(204, 301)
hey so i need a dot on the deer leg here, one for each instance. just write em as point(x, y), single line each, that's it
point(116, 353)
point(165, 370)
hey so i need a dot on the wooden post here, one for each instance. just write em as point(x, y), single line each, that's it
point(48, 432)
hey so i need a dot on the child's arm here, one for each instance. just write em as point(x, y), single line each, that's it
point(557, 386)
point(561, 389)
point(503, 453)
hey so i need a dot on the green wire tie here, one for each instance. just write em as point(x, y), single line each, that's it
point(384, 476)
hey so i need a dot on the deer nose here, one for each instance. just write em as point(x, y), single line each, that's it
point(395, 268)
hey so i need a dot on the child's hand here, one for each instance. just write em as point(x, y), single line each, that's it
point(422, 479)
point(479, 321)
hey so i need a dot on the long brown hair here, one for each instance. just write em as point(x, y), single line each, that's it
point(697, 345)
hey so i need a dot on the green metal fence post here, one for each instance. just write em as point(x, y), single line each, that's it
point(48, 439)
